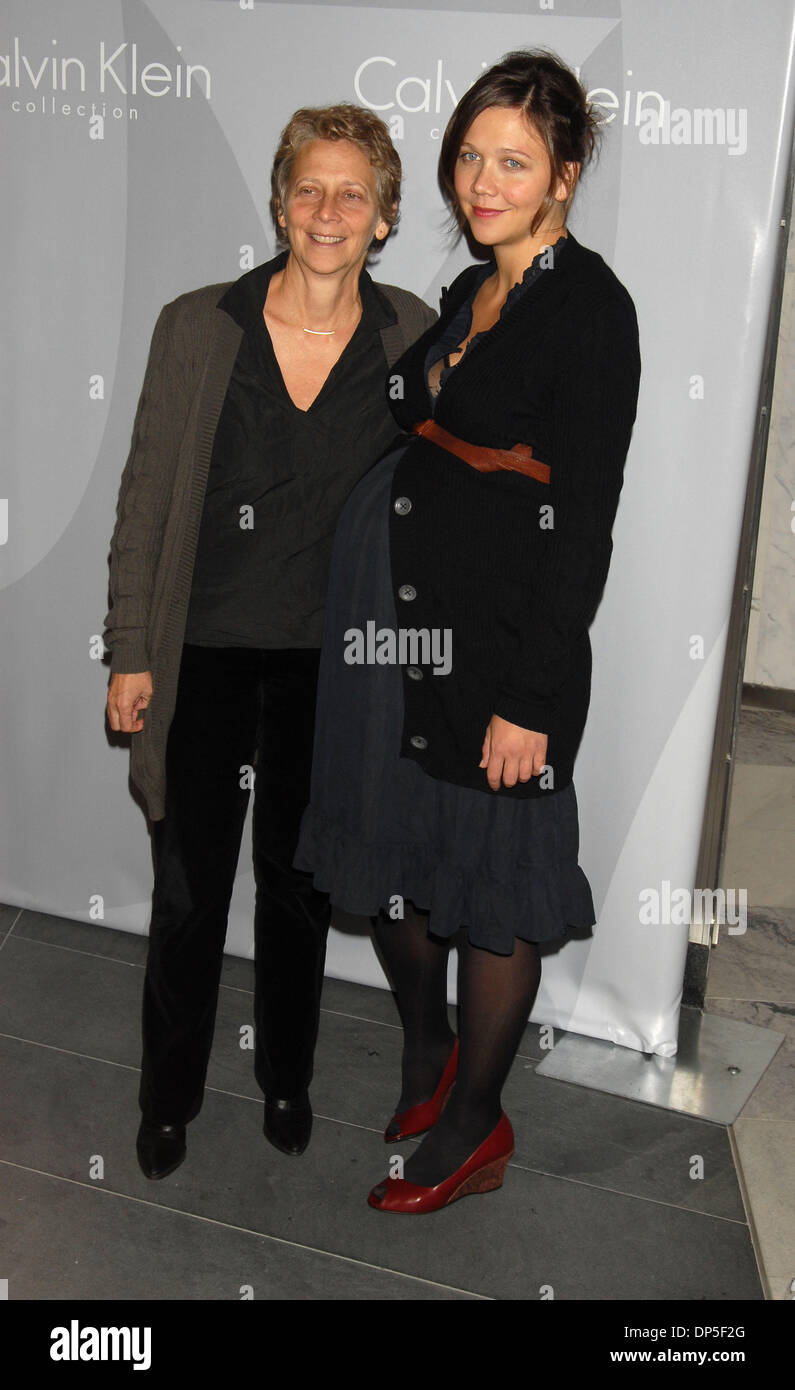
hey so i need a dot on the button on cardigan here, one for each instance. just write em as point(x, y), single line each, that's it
point(514, 567)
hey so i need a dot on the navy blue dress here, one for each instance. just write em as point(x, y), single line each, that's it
point(377, 826)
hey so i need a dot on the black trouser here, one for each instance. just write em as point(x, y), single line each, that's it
point(236, 707)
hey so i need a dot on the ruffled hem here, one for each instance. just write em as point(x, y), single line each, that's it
point(540, 905)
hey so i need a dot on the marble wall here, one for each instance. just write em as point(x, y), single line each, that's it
point(770, 652)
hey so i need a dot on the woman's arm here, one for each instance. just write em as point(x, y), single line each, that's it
point(595, 399)
point(144, 497)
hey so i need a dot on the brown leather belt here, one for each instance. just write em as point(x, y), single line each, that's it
point(519, 458)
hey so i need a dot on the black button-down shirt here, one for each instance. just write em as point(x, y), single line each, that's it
point(279, 479)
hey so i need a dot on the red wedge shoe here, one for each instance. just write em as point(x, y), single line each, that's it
point(424, 1116)
point(482, 1172)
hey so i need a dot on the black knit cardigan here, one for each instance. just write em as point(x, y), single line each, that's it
point(481, 554)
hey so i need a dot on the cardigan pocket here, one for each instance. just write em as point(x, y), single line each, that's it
point(517, 514)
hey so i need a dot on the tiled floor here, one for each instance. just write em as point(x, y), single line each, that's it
point(752, 977)
point(597, 1202)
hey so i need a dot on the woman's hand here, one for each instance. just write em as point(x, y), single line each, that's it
point(128, 695)
point(512, 754)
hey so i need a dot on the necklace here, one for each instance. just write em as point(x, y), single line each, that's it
point(325, 332)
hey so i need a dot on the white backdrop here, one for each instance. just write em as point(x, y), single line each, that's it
point(138, 140)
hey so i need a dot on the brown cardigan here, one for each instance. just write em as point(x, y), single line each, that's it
point(193, 351)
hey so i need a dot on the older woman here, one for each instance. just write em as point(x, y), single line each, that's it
point(263, 404)
point(449, 785)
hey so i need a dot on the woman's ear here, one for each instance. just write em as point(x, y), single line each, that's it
point(382, 227)
point(280, 217)
point(567, 183)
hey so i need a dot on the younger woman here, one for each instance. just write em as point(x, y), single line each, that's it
point(447, 783)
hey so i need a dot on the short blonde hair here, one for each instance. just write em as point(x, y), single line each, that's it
point(342, 122)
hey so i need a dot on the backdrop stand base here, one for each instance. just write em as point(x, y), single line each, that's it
point(719, 1062)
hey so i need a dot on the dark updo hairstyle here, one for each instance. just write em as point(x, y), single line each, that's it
point(546, 91)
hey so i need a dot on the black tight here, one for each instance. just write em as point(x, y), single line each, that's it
point(417, 965)
point(495, 996)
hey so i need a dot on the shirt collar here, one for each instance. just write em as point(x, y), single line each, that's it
point(244, 299)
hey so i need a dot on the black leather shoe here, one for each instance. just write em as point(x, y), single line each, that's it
point(288, 1123)
point(160, 1148)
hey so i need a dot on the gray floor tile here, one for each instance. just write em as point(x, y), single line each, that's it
point(765, 1150)
point(112, 1247)
point(92, 938)
point(621, 1145)
point(535, 1231)
point(360, 1001)
point(8, 916)
point(760, 964)
point(238, 973)
point(89, 937)
point(766, 736)
point(72, 999)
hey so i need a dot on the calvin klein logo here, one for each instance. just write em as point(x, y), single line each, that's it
point(119, 71)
